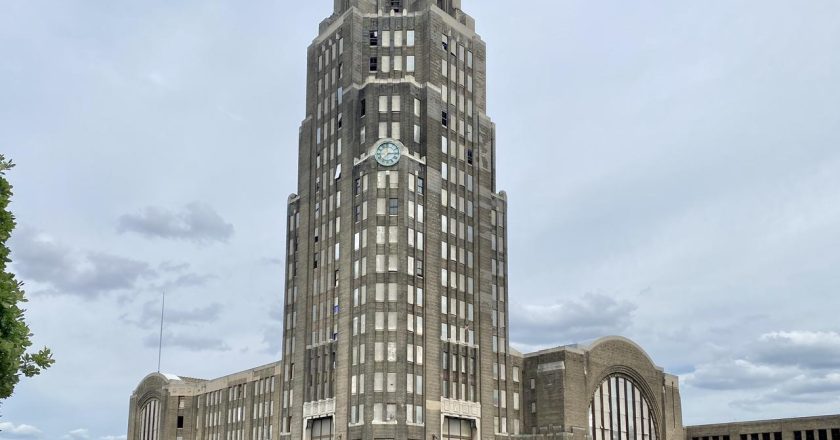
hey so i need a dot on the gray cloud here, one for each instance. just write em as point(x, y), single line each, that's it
point(569, 321)
point(188, 342)
point(150, 316)
point(196, 222)
point(780, 367)
point(273, 333)
point(169, 266)
point(809, 350)
point(38, 257)
point(9, 430)
point(272, 261)
point(736, 374)
point(184, 280)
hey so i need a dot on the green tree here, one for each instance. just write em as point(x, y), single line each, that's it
point(15, 336)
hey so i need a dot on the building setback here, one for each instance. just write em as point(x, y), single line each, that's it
point(396, 299)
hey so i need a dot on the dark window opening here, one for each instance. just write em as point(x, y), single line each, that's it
point(421, 186)
point(823, 434)
point(797, 435)
point(340, 120)
point(396, 5)
point(470, 156)
point(357, 187)
point(315, 263)
point(363, 108)
point(809, 434)
point(444, 119)
point(374, 64)
point(835, 434)
point(374, 38)
point(393, 206)
point(357, 214)
point(777, 436)
point(180, 422)
point(419, 268)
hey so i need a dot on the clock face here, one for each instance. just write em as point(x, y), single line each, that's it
point(388, 154)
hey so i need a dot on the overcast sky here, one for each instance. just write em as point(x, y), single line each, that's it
point(673, 170)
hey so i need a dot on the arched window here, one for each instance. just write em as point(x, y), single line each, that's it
point(620, 411)
point(150, 420)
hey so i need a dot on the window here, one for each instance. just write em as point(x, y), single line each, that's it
point(409, 63)
point(362, 108)
point(180, 422)
point(374, 64)
point(374, 38)
point(149, 420)
point(420, 185)
point(445, 43)
point(615, 400)
point(444, 119)
point(409, 38)
point(457, 429)
point(321, 429)
point(393, 206)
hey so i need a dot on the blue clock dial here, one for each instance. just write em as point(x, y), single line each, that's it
point(387, 154)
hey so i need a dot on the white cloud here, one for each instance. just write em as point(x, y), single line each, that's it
point(78, 434)
point(22, 431)
point(569, 321)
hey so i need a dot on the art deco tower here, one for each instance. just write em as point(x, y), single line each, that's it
point(396, 291)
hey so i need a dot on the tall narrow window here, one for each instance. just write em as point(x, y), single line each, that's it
point(616, 400)
point(150, 420)
point(374, 38)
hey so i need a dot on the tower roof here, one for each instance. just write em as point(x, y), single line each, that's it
point(373, 6)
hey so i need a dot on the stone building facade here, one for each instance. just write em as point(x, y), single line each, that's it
point(396, 298)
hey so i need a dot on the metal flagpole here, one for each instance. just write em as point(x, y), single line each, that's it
point(160, 342)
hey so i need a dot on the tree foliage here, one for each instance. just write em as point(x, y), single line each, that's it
point(15, 336)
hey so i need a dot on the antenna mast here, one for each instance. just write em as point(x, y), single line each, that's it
point(160, 342)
